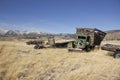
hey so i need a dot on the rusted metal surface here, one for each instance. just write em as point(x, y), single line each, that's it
point(86, 39)
point(111, 47)
point(34, 42)
point(96, 35)
point(51, 40)
point(51, 43)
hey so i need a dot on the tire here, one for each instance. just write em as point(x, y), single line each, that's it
point(87, 48)
point(69, 50)
point(117, 55)
point(35, 47)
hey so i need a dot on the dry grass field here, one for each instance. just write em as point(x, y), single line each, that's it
point(19, 61)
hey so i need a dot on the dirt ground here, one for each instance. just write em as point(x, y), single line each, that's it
point(19, 61)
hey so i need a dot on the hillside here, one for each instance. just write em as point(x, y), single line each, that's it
point(113, 31)
point(113, 35)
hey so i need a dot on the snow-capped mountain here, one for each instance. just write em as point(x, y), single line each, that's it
point(3, 31)
point(18, 33)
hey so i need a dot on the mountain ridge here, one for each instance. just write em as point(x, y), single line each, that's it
point(111, 34)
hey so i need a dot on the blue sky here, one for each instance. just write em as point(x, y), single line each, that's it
point(59, 16)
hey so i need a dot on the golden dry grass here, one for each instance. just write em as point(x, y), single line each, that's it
point(19, 61)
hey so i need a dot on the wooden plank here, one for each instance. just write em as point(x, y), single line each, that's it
point(110, 47)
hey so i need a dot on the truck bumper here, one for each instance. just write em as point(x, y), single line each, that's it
point(74, 49)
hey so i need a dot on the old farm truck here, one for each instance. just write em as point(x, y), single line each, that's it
point(86, 39)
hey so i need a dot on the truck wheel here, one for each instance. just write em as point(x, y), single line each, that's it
point(69, 50)
point(35, 47)
point(117, 55)
point(88, 49)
